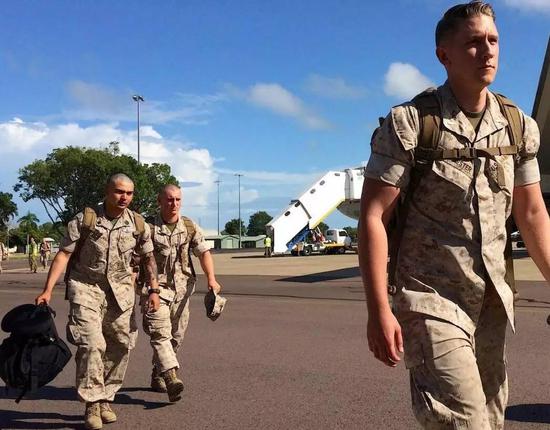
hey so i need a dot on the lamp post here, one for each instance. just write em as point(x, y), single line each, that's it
point(238, 175)
point(137, 98)
point(218, 182)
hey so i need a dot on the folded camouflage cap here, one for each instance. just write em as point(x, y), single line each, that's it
point(214, 304)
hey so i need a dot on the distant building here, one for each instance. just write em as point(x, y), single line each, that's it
point(231, 241)
point(253, 241)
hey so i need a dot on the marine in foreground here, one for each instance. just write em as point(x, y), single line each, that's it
point(452, 293)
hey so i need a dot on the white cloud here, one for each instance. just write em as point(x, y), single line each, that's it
point(248, 195)
point(274, 178)
point(189, 164)
point(404, 81)
point(333, 88)
point(17, 135)
point(534, 5)
point(94, 102)
point(279, 100)
point(195, 167)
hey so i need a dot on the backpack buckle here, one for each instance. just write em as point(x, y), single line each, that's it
point(471, 152)
point(467, 153)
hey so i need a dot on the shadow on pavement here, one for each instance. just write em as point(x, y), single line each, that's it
point(532, 303)
point(125, 399)
point(350, 272)
point(520, 253)
point(45, 393)
point(35, 420)
point(69, 394)
point(530, 413)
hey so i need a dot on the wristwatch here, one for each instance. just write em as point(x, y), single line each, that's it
point(153, 291)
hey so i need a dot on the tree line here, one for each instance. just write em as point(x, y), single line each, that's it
point(71, 178)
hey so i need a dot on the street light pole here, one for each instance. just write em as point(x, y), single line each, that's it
point(218, 182)
point(238, 175)
point(137, 98)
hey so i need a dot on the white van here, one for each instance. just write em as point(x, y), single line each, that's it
point(337, 235)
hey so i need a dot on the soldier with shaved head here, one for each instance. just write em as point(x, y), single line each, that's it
point(96, 253)
point(174, 238)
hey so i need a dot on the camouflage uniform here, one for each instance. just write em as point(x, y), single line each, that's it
point(101, 297)
point(3, 251)
point(452, 300)
point(33, 256)
point(167, 326)
point(45, 251)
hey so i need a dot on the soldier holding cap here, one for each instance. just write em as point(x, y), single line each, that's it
point(174, 238)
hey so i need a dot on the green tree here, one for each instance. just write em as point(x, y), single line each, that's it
point(257, 222)
point(8, 209)
point(17, 238)
point(52, 230)
point(352, 231)
point(323, 227)
point(71, 178)
point(28, 225)
point(232, 227)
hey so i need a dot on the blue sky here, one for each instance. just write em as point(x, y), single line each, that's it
point(278, 91)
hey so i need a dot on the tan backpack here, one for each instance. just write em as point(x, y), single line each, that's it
point(89, 220)
point(427, 152)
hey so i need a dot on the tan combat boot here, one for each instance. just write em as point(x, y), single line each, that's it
point(174, 385)
point(107, 414)
point(92, 419)
point(157, 382)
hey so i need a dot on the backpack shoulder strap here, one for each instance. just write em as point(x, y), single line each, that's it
point(186, 256)
point(189, 226)
point(429, 117)
point(139, 223)
point(89, 220)
point(512, 114)
point(515, 134)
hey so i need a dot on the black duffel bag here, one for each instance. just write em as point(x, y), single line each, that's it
point(33, 354)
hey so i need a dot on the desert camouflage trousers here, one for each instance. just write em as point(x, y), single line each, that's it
point(166, 329)
point(33, 262)
point(104, 336)
point(458, 381)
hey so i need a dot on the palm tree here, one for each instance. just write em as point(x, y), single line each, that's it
point(8, 209)
point(28, 224)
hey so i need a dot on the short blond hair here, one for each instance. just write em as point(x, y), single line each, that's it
point(449, 23)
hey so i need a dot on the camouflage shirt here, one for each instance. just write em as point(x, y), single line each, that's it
point(105, 256)
point(455, 235)
point(175, 276)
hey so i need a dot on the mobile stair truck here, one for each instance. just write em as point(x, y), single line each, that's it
point(335, 190)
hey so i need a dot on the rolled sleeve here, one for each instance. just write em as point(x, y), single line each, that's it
point(392, 147)
point(145, 244)
point(199, 244)
point(526, 167)
point(72, 234)
point(386, 169)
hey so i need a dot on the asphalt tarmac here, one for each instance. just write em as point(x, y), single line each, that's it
point(289, 352)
